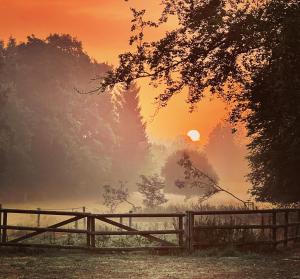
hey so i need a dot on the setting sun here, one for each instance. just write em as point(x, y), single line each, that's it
point(194, 135)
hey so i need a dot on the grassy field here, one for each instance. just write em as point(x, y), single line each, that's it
point(59, 264)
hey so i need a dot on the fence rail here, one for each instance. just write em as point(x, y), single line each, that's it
point(186, 229)
point(89, 229)
point(274, 225)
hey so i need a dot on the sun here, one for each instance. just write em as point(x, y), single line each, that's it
point(194, 135)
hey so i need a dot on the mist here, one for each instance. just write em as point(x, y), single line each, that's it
point(61, 141)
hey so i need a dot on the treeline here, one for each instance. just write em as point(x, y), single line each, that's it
point(55, 142)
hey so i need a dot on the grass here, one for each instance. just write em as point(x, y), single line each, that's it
point(67, 265)
point(203, 237)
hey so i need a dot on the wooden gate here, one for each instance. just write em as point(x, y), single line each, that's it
point(90, 230)
point(281, 226)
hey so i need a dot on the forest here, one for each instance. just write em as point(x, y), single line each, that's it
point(150, 139)
point(58, 142)
point(72, 125)
point(54, 140)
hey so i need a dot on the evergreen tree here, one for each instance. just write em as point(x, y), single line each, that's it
point(133, 146)
point(226, 154)
point(55, 142)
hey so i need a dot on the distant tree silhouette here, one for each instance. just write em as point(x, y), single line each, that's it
point(54, 142)
point(4, 132)
point(132, 151)
point(172, 172)
point(197, 178)
point(151, 187)
point(226, 154)
point(114, 196)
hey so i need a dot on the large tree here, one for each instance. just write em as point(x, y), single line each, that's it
point(53, 142)
point(227, 154)
point(233, 49)
point(273, 123)
point(172, 172)
point(132, 150)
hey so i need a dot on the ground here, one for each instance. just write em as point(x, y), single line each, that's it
point(69, 265)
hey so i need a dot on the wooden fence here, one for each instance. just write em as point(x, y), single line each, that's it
point(90, 231)
point(283, 226)
point(272, 220)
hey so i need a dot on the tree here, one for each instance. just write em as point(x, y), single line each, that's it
point(273, 124)
point(114, 196)
point(216, 43)
point(4, 140)
point(130, 128)
point(226, 153)
point(151, 188)
point(52, 140)
point(230, 48)
point(172, 172)
point(196, 178)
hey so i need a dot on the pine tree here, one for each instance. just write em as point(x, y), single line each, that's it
point(133, 146)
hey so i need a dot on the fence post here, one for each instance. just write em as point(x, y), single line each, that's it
point(298, 226)
point(0, 221)
point(130, 219)
point(274, 229)
point(186, 230)
point(121, 222)
point(92, 227)
point(4, 231)
point(84, 219)
point(180, 227)
point(263, 223)
point(286, 227)
point(38, 219)
point(88, 230)
point(76, 222)
point(189, 230)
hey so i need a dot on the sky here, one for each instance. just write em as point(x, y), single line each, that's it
point(104, 28)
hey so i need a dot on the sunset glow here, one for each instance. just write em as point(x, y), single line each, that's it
point(194, 135)
point(104, 28)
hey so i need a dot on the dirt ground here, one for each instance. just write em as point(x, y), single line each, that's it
point(69, 265)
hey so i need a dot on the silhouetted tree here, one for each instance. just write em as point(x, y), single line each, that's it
point(226, 153)
point(197, 178)
point(273, 124)
point(132, 151)
point(172, 172)
point(52, 139)
point(151, 187)
point(231, 48)
point(114, 196)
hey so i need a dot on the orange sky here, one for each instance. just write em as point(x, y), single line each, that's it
point(103, 26)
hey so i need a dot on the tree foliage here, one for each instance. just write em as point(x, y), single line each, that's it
point(273, 124)
point(197, 178)
point(151, 188)
point(115, 196)
point(216, 43)
point(246, 52)
point(227, 153)
point(55, 142)
point(130, 129)
point(173, 173)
